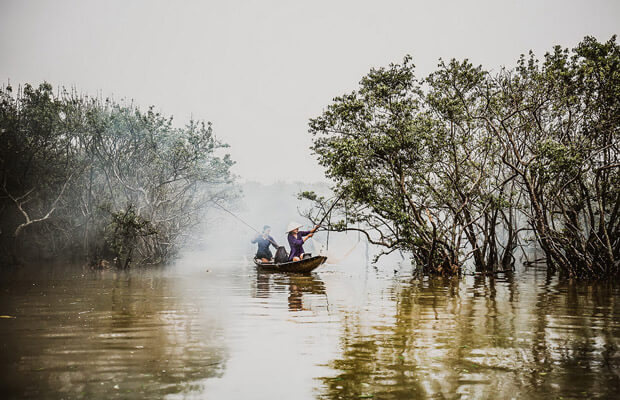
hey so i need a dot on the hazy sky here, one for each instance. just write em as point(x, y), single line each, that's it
point(260, 69)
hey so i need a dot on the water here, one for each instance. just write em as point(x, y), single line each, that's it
point(203, 329)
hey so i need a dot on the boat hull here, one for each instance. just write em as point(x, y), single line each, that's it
point(303, 266)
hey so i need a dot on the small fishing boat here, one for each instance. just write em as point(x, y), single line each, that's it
point(302, 266)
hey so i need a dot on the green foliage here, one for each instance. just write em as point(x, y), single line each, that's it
point(558, 124)
point(72, 165)
point(378, 144)
point(458, 165)
point(310, 195)
point(123, 232)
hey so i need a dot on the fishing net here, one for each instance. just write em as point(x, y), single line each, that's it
point(281, 255)
point(332, 256)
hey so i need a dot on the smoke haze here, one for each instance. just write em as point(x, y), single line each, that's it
point(226, 239)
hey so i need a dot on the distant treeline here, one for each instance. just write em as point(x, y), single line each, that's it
point(100, 180)
point(467, 165)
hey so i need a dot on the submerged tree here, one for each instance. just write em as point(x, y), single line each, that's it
point(82, 176)
point(559, 127)
point(375, 144)
point(417, 169)
point(459, 165)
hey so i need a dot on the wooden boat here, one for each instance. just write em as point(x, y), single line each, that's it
point(302, 266)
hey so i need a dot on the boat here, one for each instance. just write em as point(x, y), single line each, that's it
point(303, 266)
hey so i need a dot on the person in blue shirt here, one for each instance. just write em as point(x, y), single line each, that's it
point(296, 240)
point(264, 240)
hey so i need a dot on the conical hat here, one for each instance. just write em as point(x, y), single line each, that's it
point(292, 226)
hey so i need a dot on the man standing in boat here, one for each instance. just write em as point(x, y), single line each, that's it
point(296, 240)
point(264, 240)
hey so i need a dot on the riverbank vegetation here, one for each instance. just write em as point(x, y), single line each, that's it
point(101, 180)
point(468, 165)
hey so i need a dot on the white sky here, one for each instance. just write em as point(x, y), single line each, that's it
point(260, 69)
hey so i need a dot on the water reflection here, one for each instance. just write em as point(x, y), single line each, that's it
point(230, 331)
point(103, 334)
point(295, 284)
point(483, 337)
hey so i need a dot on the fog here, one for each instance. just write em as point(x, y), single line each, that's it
point(259, 69)
point(224, 239)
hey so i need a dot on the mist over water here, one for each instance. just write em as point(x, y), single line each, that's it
point(224, 238)
point(426, 105)
point(211, 325)
point(207, 329)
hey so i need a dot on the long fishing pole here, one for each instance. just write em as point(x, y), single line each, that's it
point(231, 213)
point(245, 223)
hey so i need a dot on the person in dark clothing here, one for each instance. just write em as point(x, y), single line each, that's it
point(296, 240)
point(264, 240)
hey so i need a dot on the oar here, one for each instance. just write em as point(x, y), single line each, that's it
point(231, 213)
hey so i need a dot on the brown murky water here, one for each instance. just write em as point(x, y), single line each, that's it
point(340, 333)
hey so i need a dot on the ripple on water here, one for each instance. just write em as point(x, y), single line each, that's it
point(339, 333)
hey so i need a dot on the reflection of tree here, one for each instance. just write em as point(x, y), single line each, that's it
point(133, 332)
point(177, 347)
point(481, 337)
point(577, 340)
point(357, 367)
